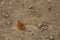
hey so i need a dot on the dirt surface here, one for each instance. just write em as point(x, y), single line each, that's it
point(41, 19)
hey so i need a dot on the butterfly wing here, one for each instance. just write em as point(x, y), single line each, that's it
point(20, 25)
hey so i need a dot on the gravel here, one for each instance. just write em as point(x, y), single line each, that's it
point(6, 15)
point(42, 25)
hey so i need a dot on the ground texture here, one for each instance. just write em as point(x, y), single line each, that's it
point(41, 19)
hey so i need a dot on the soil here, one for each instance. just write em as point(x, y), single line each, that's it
point(41, 19)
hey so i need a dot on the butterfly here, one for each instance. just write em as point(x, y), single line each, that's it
point(20, 25)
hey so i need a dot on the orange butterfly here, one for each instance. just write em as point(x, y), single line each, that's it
point(20, 25)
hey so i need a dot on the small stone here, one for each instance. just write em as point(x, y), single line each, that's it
point(5, 15)
point(39, 25)
point(42, 37)
point(47, 39)
point(42, 25)
point(10, 2)
point(33, 12)
point(31, 6)
point(8, 22)
point(2, 2)
point(50, 38)
point(9, 7)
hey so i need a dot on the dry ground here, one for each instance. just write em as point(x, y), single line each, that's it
point(40, 17)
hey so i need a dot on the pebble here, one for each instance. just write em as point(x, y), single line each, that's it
point(42, 25)
point(2, 2)
point(42, 37)
point(5, 15)
point(31, 6)
point(39, 25)
point(35, 14)
point(50, 38)
point(9, 23)
point(10, 2)
point(9, 7)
